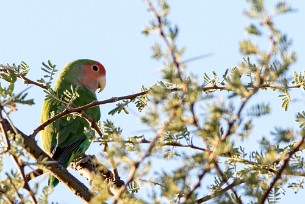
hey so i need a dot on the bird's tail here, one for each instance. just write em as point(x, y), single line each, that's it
point(65, 156)
point(53, 181)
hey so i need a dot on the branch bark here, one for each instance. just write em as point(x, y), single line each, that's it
point(31, 147)
point(213, 195)
point(281, 170)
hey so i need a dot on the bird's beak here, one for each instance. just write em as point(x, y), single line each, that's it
point(102, 83)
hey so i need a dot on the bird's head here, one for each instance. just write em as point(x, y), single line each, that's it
point(87, 73)
point(93, 76)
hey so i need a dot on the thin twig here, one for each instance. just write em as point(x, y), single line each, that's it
point(238, 114)
point(236, 182)
point(224, 178)
point(11, 99)
point(197, 185)
point(252, 163)
point(26, 80)
point(26, 185)
point(134, 169)
point(14, 186)
point(136, 164)
point(174, 144)
point(153, 182)
point(281, 170)
point(80, 110)
point(62, 174)
point(164, 37)
point(195, 119)
point(113, 163)
point(4, 131)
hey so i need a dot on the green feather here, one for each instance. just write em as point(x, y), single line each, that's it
point(63, 132)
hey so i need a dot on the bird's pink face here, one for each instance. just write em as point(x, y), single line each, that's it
point(93, 76)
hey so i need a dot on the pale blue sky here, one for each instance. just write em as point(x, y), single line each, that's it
point(110, 32)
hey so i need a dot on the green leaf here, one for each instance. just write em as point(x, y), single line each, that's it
point(247, 47)
point(259, 110)
point(301, 119)
point(50, 71)
point(10, 77)
point(157, 52)
point(119, 108)
point(146, 30)
point(253, 30)
point(23, 68)
point(110, 131)
point(281, 8)
point(71, 95)
point(285, 99)
point(165, 8)
point(173, 32)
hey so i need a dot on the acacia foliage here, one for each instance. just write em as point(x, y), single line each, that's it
point(204, 143)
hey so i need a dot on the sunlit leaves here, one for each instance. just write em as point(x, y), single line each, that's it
point(299, 79)
point(142, 101)
point(259, 110)
point(7, 91)
point(157, 51)
point(110, 131)
point(301, 119)
point(252, 29)
point(176, 135)
point(21, 69)
point(10, 78)
point(120, 107)
point(133, 187)
point(246, 130)
point(164, 8)
point(284, 43)
point(283, 135)
point(211, 81)
point(274, 196)
point(50, 70)
point(297, 185)
point(256, 8)
point(151, 118)
point(160, 91)
point(71, 95)
point(199, 122)
point(281, 7)
point(44, 197)
point(285, 96)
point(288, 59)
point(9, 75)
point(247, 47)
point(173, 32)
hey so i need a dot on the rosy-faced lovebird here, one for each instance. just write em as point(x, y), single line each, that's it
point(65, 139)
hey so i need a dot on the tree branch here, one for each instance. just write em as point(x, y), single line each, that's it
point(31, 147)
point(238, 114)
point(26, 185)
point(168, 44)
point(8, 70)
point(80, 110)
point(281, 170)
point(225, 179)
point(236, 182)
point(3, 129)
point(197, 185)
point(88, 166)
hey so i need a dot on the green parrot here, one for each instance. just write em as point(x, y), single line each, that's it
point(64, 140)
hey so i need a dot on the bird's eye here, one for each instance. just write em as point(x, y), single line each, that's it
point(95, 68)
